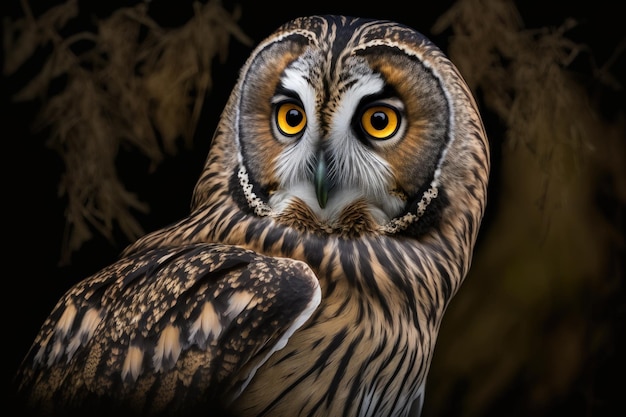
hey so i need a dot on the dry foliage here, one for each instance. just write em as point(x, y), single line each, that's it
point(130, 82)
point(526, 319)
point(533, 315)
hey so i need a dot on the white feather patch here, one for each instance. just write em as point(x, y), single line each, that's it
point(132, 363)
point(66, 321)
point(61, 330)
point(168, 347)
point(88, 325)
point(237, 303)
point(382, 209)
point(206, 325)
point(282, 342)
point(55, 352)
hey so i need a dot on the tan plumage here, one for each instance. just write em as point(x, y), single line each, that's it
point(334, 221)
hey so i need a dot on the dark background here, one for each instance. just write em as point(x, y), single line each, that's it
point(34, 213)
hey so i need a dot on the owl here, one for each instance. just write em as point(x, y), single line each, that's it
point(333, 222)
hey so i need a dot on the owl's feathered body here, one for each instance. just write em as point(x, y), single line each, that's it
point(321, 251)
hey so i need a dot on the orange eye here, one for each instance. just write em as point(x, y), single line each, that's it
point(290, 118)
point(380, 122)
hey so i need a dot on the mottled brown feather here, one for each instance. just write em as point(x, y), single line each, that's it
point(337, 317)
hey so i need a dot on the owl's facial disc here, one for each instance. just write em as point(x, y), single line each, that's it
point(351, 139)
point(329, 159)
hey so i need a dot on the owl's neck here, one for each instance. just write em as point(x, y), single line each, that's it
point(431, 263)
point(413, 270)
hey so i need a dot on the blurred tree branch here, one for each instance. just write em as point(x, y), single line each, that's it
point(130, 82)
point(544, 289)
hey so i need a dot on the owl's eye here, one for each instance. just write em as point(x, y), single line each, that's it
point(380, 121)
point(290, 118)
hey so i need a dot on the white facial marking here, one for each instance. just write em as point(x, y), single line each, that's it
point(357, 165)
point(355, 169)
point(296, 163)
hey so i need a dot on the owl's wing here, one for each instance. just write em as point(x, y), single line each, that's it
point(167, 330)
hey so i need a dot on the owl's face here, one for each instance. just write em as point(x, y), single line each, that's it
point(339, 127)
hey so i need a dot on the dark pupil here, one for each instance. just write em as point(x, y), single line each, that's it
point(294, 117)
point(379, 120)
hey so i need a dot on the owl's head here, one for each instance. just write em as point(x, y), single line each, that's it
point(341, 125)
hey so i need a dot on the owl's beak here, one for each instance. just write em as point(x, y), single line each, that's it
point(321, 179)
